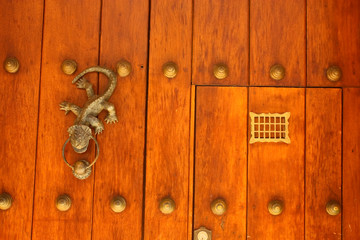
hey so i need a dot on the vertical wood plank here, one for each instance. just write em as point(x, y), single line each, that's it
point(276, 170)
point(277, 36)
point(69, 33)
point(120, 170)
point(333, 38)
point(351, 164)
point(323, 162)
point(20, 37)
point(221, 160)
point(221, 35)
point(168, 119)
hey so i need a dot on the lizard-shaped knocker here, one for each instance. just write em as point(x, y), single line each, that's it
point(80, 133)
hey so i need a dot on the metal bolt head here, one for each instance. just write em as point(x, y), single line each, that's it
point(11, 65)
point(170, 69)
point(221, 71)
point(167, 205)
point(218, 206)
point(277, 72)
point(68, 66)
point(63, 203)
point(5, 201)
point(334, 73)
point(123, 68)
point(275, 207)
point(118, 204)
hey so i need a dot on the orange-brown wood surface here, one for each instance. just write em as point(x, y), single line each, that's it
point(168, 120)
point(333, 38)
point(221, 35)
point(351, 164)
point(119, 171)
point(69, 33)
point(221, 160)
point(20, 37)
point(323, 162)
point(276, 170)
point(277, 36)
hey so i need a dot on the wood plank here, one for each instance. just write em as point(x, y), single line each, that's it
point(351, 164)
point(120, 171)
point(69, 33)
point(221, 35)
point(323, 162)
point(168, 119)
point(20, 34)
point(221, 160)
point(277, 36)
point(276, 170)
point(333, 38)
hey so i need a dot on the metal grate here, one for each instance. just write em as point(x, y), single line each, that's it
point(270, 127)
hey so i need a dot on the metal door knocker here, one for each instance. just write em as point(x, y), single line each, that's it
point(80, 133)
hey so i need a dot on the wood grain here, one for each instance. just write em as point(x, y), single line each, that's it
point(168, 120)
point(333, 38)
point(351, 164)
point(69, 33)
point(120, 170)
point(221, 160)
point(277, 36)
point(323, 162)
point(20, 37)
point(221, 35)
point(276, 170)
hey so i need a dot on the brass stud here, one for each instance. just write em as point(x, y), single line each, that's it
point(11, 65)
point(167, 205)
point(277, 72)
point(63, 203)
point(221, 71)
point(202, 234)
point(170, 69)
point(118, 204)
point(68, 66)
point(275, 207)
point(218, 206)
point(333, 208)
point(333, 73)
point(123, 68)
point(5, 201)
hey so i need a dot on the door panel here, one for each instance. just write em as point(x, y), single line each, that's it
point(119, 171)
point(221, 160)
point(276, 170)
point(333, 38)
point(20, 34)
point(221, 36)
point(277, 36)
point(323, 162)
point(69, 33)
point(351, 164)
point(168, 120)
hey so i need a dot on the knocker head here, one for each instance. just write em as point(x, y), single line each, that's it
point(79, 137)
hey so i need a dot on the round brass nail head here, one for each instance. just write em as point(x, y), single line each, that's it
point(11, 65)
point(170, 70)
point(167, 206)
point(334, 73)
point(63, 203)
point(218, 206)
point(118, 204)
point(5, 201)
point(221, 71)
point(275, 207)
point(68, 66)
point(333, 208)
point(277, 72)
point(202, 235)
point(123, 68)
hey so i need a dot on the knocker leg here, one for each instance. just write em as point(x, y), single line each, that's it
point(82, 83)
point(111, 117)
point(96, 123)
point(66, 106)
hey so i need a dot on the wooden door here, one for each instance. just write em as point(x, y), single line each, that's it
point(237, 119)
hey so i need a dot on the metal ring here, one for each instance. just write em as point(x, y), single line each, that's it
point(97, 153)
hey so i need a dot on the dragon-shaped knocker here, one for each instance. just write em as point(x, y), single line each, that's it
point(80, 133)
